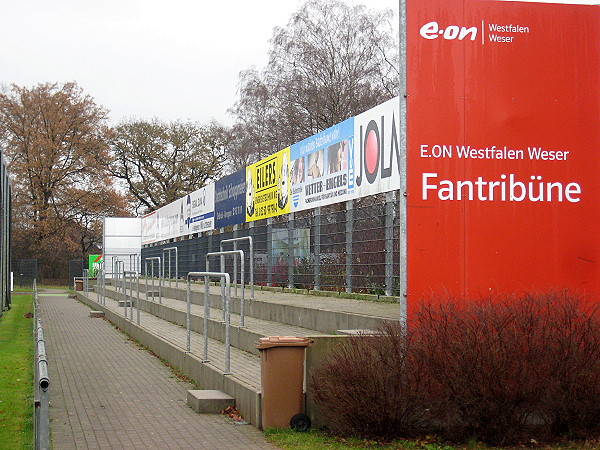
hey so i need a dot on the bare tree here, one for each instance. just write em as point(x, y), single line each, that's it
point(331, 62)
point(161, 162)
point(56, 141)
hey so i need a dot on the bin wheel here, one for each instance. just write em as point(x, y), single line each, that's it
point(300, 422)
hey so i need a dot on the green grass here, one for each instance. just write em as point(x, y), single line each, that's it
point(313, 439)
point(16, 375)
point(40, 286)
point(287, 438)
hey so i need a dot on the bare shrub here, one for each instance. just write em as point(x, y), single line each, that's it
point(571, 402)
point(365, 390)
point(501, 369)
point(484, 360)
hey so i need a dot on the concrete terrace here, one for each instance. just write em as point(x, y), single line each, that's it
point(107, 392)
point(162, 330)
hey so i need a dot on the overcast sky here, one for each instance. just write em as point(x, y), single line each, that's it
point(176, 59)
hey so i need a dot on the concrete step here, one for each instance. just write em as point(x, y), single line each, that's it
point(209, 401)
point(322, 314)
point(242, 382)
point(169, 341)
point(175, 311)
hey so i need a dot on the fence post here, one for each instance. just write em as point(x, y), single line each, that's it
point(317, 260)
point(269, 251)
point(235, 274)
point(389, 242)
point(349, 219)
point(291, 256)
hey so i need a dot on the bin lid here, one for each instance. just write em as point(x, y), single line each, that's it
point(282, 341)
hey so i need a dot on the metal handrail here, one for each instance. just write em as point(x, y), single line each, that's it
point(222, 255)
point(206, 276)
point(152, 259)
point(86, 282)
point(41, 380)
point(251, 244)
point(169, 249)
point(132, 274)
point(135, 257)
point(101, 285)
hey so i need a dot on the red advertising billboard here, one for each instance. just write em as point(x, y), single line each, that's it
point(503, 147)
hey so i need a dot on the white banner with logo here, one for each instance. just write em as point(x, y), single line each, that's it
point(377, 149)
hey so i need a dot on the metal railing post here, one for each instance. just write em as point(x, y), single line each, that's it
point(222, 255)
point(86, 281)
point(146, 277)
point(131, 274)
point(224, 277)
point(152, 259)
point(138, 298)
point(169, 250)
point(251, 257)
point(206, 315)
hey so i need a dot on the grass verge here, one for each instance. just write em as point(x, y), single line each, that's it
point(313, 439)
point(287, 438)
point(16, 375)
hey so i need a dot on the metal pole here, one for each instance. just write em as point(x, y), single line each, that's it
point(317, 261)
point(85, 281)
point(160, 283)
point(124, 294)
point(349, 219)
point(228, 328)
point(403, 166)
point(269, 251)
point(42, 381)
point(291, 250)
point(146, 276)
point(131, 274)
point(242, 310)
point(389, 242)
point(168, 250)
point(187, 316)
point(251, 257)
point(252, 262)
point(138, 298)
point(222, 287)
point(224, 277)
point(222, 256)
point(152, 278)
point(206, 316)
point(152, 259)
point(251, 267)
point(235, 269)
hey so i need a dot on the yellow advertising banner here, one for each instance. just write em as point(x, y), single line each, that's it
point(268, 187)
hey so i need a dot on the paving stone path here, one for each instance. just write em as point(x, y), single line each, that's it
point(106, 392)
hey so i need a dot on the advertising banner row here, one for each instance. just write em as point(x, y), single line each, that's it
point(502, 154)
point(352, 159)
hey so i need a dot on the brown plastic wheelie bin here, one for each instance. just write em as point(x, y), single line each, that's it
point(282, 381)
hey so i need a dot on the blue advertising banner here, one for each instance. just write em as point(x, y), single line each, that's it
point(230, 199)
point(322, 167)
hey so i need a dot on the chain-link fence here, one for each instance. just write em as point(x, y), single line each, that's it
point(5, 210)
point(25, 271)
point(345, 247)
point(76, 267)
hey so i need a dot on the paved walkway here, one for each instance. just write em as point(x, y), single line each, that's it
point(106, 392)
